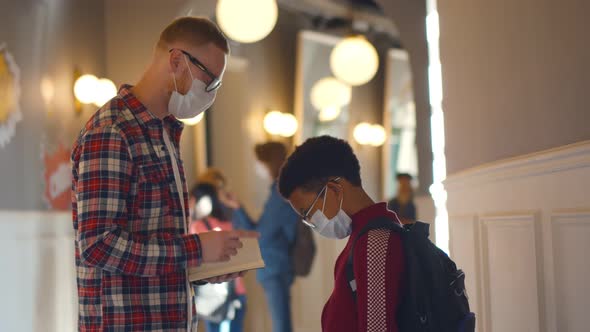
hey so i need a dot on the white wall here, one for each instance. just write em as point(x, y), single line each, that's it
point(519, 228)
point(515, 77)
point(38, 280)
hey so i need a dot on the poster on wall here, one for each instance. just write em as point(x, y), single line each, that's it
point(58, 178)
point(10, 112)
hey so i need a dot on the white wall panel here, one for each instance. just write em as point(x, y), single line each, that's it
point(531, 268)
point(571, 247)
point(510, 268)
point(38, 281)
point(465, 252)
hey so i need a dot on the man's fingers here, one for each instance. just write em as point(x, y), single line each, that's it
point(224, 278)
point(231, 252)
point(234, 244)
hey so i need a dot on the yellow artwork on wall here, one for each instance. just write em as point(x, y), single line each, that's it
point(10, 112)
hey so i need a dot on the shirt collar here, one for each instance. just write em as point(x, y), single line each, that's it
point(361, 218)
point(143, 115)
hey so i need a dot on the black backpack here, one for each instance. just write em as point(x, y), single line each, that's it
point(303, 250)
point(434, 297)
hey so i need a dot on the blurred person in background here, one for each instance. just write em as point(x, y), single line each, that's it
point(277, 226)
point(403, 203)
point(216, 178)
point(207, 216)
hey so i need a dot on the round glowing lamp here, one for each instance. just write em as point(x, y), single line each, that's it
point(247, 21)
point(105, 90)
point(84, 88)
point(330, 92)
point(329, 113)
point(289, 125)
point(354, 60)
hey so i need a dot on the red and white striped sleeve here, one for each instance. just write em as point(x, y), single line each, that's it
point(378, 271)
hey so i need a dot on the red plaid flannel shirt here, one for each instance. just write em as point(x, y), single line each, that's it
point(131, 248)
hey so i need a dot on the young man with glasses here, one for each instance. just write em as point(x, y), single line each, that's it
point(321, 180)
point(129, 194)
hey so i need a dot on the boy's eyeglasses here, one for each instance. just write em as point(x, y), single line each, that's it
point(306, 217)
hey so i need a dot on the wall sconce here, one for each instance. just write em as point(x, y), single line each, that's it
point(88, 89)
point(247, 21)
point(47, 90)
point(280, 124)
point(369, 134)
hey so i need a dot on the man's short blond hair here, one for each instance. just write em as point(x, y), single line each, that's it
point(194, 30)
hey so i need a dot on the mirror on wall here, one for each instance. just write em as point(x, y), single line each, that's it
point(321, 101)
point(400, 154)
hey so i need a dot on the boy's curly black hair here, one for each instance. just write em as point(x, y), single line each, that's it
point(317, 160)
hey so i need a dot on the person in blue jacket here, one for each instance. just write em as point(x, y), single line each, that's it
point(277, 228)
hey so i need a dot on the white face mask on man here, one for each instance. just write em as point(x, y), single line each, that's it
point(338, 227)
point(196, 101)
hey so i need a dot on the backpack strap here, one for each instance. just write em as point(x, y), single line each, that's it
point(377, 223)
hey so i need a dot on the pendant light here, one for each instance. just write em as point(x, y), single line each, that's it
point(354, 60)
point(247, 21)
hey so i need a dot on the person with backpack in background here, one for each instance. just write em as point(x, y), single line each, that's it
point(387, 278)
point(223, 304)
point(278, 228)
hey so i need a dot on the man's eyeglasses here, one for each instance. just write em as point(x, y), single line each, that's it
point(215, 81)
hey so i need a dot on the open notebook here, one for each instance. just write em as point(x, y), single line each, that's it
point(248, 258)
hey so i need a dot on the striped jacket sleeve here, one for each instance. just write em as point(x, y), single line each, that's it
point(102, 170)
point(378, 277)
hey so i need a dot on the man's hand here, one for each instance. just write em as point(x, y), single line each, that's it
point(228, 199)
point(227, 277)
point(220, 246)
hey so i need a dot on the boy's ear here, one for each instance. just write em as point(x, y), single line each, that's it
point(334, 186)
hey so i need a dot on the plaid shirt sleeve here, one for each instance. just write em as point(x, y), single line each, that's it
point(104, 171)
